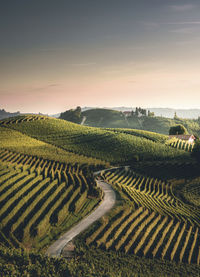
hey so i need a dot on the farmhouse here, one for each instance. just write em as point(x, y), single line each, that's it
point(188, 138)
point(127, 113)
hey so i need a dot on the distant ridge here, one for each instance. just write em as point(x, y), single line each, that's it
point(4, 114)
point(165, 112)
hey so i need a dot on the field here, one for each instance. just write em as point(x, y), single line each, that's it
point(103, 145)
point(158, 225)
point(18, 142)
point(37, 202)
point(47, 185)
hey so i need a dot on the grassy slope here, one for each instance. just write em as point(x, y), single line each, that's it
point(97, 143)
point(114, 119)
point(19, 142)
point(142, 134)
point(105, 118)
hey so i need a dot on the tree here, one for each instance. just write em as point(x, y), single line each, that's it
point(178, 130)
point(175, 116)
point(136, 112)
point(196, 150)
point(72, 115)
point(151, 114)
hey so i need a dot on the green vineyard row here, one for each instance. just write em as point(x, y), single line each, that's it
point(20, 119)
point(36, 163)
point(149, 234)
point(34, 200)
point(182, 145)
point(151, 193)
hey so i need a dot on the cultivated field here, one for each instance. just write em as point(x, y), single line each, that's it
point(47, 185)
point(159, 224)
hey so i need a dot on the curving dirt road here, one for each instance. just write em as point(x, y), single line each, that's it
point(107, 203)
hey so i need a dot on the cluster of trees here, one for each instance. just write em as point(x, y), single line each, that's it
point(141, 112)
point(178, 130)
point(73, 115)
point(196, 150)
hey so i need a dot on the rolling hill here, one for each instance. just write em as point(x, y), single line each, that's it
point(106, 118)
point(47, 185)
point(104, 145)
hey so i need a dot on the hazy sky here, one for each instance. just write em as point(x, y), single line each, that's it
point(57, 54)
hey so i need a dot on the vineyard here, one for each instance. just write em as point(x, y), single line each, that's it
point(18, 262)
point(151, 193)
point(19, 119)
point(38, 198)
point(104, 145)
point(181, 144)
point(148, 234)
point(36, 163)
point(18, 142)
point(159, 225)
point(142, 134)
point(47, 185)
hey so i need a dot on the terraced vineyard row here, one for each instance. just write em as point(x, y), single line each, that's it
point(182, 145)
point(148, 234)
point(20, 119)
point(35, 163)
point(31, 203)
point(19, 142)
point(151, 193)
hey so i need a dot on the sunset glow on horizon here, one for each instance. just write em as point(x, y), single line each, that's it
point(56, 55)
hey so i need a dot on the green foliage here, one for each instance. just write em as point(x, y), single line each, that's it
point(17, 262)
point(98, 262)
point(72, 115)
point(89, 262)
point(196, 150)
point(167, 170)
point(103, 117)
point(178, 130)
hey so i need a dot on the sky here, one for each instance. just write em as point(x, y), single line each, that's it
point(59, 54)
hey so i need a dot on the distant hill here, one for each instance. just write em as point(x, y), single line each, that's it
point(106, 118)
point(4, 114)
point(163, 112)
point(83, 144)
point(55, 115)
point(183, 113)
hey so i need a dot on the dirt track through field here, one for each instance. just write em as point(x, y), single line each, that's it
point(107, 203)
